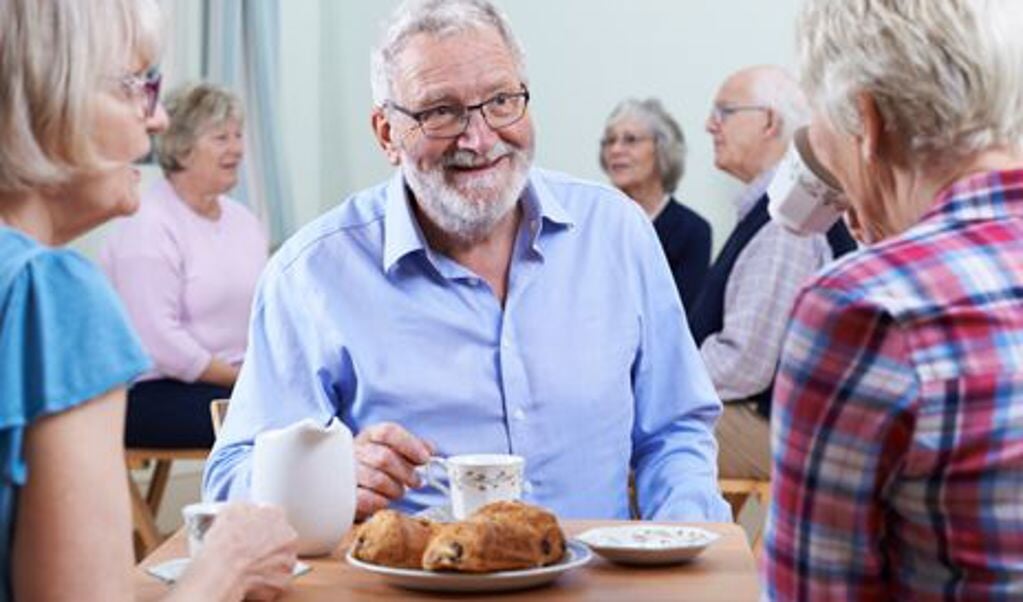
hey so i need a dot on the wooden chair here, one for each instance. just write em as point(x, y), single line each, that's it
point(218, 413)
point(145, 507)
point(738, 492)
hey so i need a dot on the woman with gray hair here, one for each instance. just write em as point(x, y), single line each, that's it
point(643, 151)
point(79, 101)
point(898, 430)
point(186, 267)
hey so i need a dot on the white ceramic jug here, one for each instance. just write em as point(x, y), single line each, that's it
point(309, 470)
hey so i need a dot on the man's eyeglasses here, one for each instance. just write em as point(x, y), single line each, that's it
point(451, 121)
point(146, 87)
point(719, 113)
point(627, 140)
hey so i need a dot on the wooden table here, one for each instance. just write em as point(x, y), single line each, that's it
point(725, 571)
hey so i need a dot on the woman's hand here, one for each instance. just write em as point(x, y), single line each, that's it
point(250, 551)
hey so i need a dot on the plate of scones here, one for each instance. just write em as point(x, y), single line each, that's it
point(502, 546)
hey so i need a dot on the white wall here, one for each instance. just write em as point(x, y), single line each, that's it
point(583, 57)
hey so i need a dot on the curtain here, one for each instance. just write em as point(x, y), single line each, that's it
point(240, 49)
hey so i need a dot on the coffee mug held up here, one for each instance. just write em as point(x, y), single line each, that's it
point(478, 479)
point(804, 196)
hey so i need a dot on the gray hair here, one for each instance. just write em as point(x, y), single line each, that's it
point(56, 56)
point(193, 109)
point(778, 89)
point(669, 141)
point(946, 75)
point(441, 18)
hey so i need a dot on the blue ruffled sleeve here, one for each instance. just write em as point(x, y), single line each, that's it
point(64, 339)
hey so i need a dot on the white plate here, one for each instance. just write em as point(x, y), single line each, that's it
point(576, 555)
point(648, 544)
point(170, 571)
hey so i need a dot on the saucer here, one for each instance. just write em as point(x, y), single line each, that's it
point(171, 570)
point(648, 543)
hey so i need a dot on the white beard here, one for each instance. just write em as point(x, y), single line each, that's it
point(472, 213)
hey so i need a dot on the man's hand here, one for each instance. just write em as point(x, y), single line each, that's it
point(386, 457)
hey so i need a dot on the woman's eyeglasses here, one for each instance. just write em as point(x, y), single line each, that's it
point(145, 87)
point(627, 140)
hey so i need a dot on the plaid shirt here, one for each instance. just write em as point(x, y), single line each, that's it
point(898, 426)
point(743, 356)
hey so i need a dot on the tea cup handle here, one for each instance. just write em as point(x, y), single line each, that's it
point(437, 461)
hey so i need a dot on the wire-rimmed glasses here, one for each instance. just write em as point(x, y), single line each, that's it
point(719, 113)
point(628, 140)
point(450, 121)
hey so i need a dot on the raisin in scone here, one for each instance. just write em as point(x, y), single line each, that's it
point(552, 539)
point(483, 545)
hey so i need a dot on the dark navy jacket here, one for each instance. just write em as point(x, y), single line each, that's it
point(686, 240)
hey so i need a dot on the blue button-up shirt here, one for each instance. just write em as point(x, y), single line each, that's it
point(588, 369)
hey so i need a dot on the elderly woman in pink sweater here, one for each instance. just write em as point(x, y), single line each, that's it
point(186, 267)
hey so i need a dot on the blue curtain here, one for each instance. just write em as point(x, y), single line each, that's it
point(240, 51)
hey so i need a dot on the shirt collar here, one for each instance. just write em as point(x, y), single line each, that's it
point(541, 204)
point(986, 195)
point(403, 236)
point(753, 192)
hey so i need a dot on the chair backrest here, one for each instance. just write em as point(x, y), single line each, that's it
point(218, 412)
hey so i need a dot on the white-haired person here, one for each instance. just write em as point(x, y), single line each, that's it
point(185, 266)
point(741, 313)
point(898, 426)
point(643, 151)
point(79, 102)
point(475, 304)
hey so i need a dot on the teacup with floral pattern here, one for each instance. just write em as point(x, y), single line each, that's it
point(478, 479)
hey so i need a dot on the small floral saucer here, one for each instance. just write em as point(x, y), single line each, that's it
point(648, 543)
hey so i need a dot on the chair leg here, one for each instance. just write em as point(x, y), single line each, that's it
point(158, 485)
point(763, 495)
point(142, 518)
point(737, 501)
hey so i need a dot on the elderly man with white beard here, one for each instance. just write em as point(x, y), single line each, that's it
point(474, 304)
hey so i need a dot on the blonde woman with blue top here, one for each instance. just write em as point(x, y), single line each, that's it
point(78, 102)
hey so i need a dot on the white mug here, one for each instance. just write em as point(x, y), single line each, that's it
point(199, 518)
point(804, 196)
point(478, 479)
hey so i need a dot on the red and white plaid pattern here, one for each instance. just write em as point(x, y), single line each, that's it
point(897, 433)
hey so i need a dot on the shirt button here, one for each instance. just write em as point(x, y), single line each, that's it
point(519, 414)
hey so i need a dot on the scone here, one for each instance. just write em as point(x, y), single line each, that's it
point(482, 545)
point(393, 539)
point(552, 539)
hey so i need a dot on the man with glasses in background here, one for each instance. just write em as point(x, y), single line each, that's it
point(474, 304)
point(740, 316)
